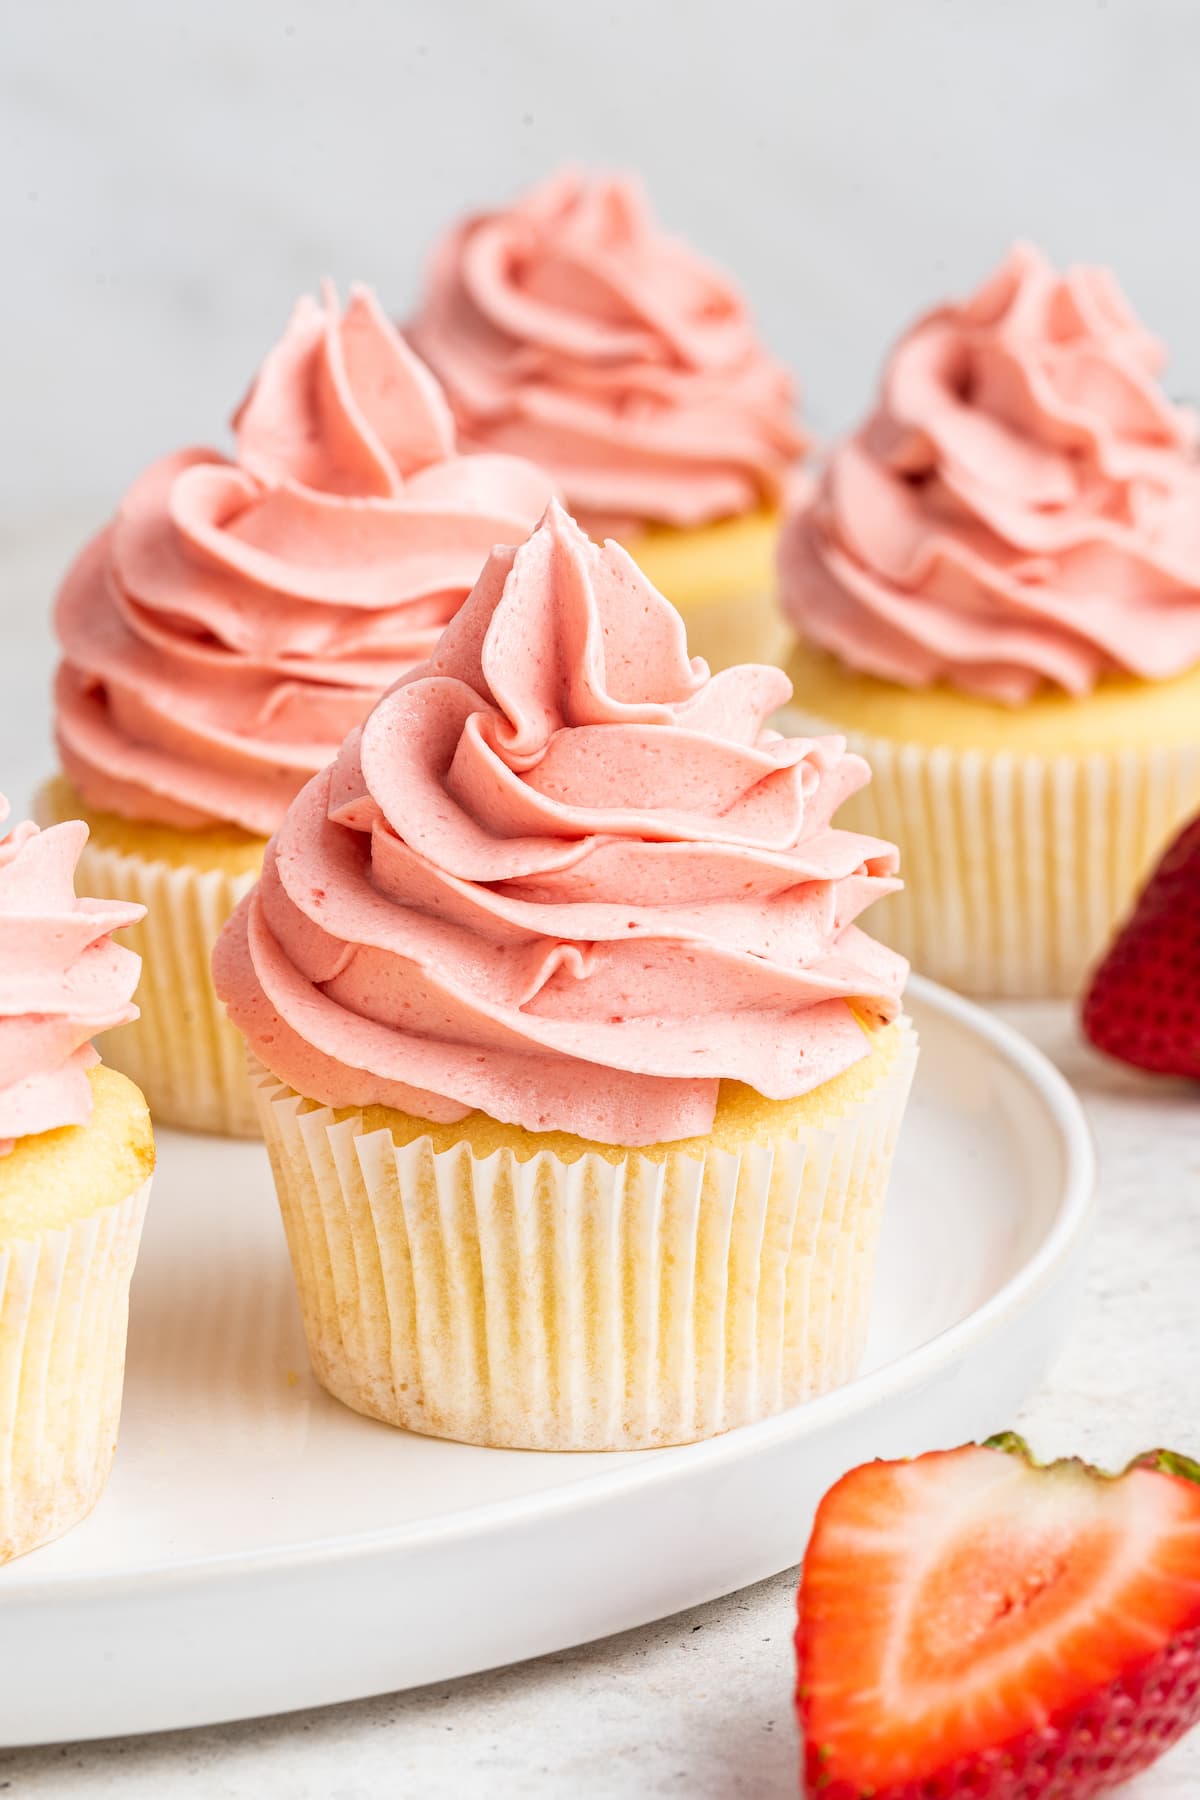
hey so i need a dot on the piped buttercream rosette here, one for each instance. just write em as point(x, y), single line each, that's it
point(564, 876)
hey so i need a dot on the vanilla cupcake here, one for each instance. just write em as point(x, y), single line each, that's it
point(76, 1157)
point(997, 595)
point(570, 329)
point(579, 1081)
point(223, 634)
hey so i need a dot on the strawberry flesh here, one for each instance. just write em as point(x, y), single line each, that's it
point(974, 1624)
point(1143, 1006)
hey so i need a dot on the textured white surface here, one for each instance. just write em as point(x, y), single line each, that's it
point(700, 1705)
point(173, 176)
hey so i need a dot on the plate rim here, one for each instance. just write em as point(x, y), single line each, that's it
point(650, 1468)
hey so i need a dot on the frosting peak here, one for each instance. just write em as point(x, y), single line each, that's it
point(1023, 507)
point(569, 328)
point(342, 404)
point(564, 876)
point(62, 979)
point(237, 618)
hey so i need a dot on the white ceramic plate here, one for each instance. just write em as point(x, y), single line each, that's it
point(260, 1548)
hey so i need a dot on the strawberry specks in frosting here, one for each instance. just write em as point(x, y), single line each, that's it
point(238, 618)
point(342, 404)
point(1022, 509)
point(565, 876)
point(62, 979)
point(570, 329)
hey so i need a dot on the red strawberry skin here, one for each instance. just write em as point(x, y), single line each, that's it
point(1143, 1006)
point(1095, 1747)
point(1089, 1595)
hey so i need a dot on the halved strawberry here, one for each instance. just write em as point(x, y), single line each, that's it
point(1143, 1005)
point(972, 1623)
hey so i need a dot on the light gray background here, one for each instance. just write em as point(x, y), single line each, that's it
point(172, 175)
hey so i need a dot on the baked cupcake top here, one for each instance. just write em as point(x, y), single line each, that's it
point(565, 877)
point(62, 979)
point(1021, 510)
point(570, 329)
point(238, 616)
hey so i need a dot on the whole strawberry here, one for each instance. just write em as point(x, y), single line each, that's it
point(1143, 1006)
point(974, 1624)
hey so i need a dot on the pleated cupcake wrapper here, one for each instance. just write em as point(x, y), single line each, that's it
point(182, 1051)
point(587, 1305)
point(1018, 868)
point(64, 1301)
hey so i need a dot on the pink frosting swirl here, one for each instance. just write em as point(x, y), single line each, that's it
point(563, 876)
point(62, 979)
point(237, 618)
point(569, 329)
point(1023, 508)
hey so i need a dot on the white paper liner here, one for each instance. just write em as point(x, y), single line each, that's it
point(64, 1303)
point(182, 1052)
point(588, 1305)
point(1018, 868)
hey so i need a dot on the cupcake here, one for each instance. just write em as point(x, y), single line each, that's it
point(76, 1157)
point(579, 1081)
point(996, 590)
point(222, 635)
point(570, 329)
